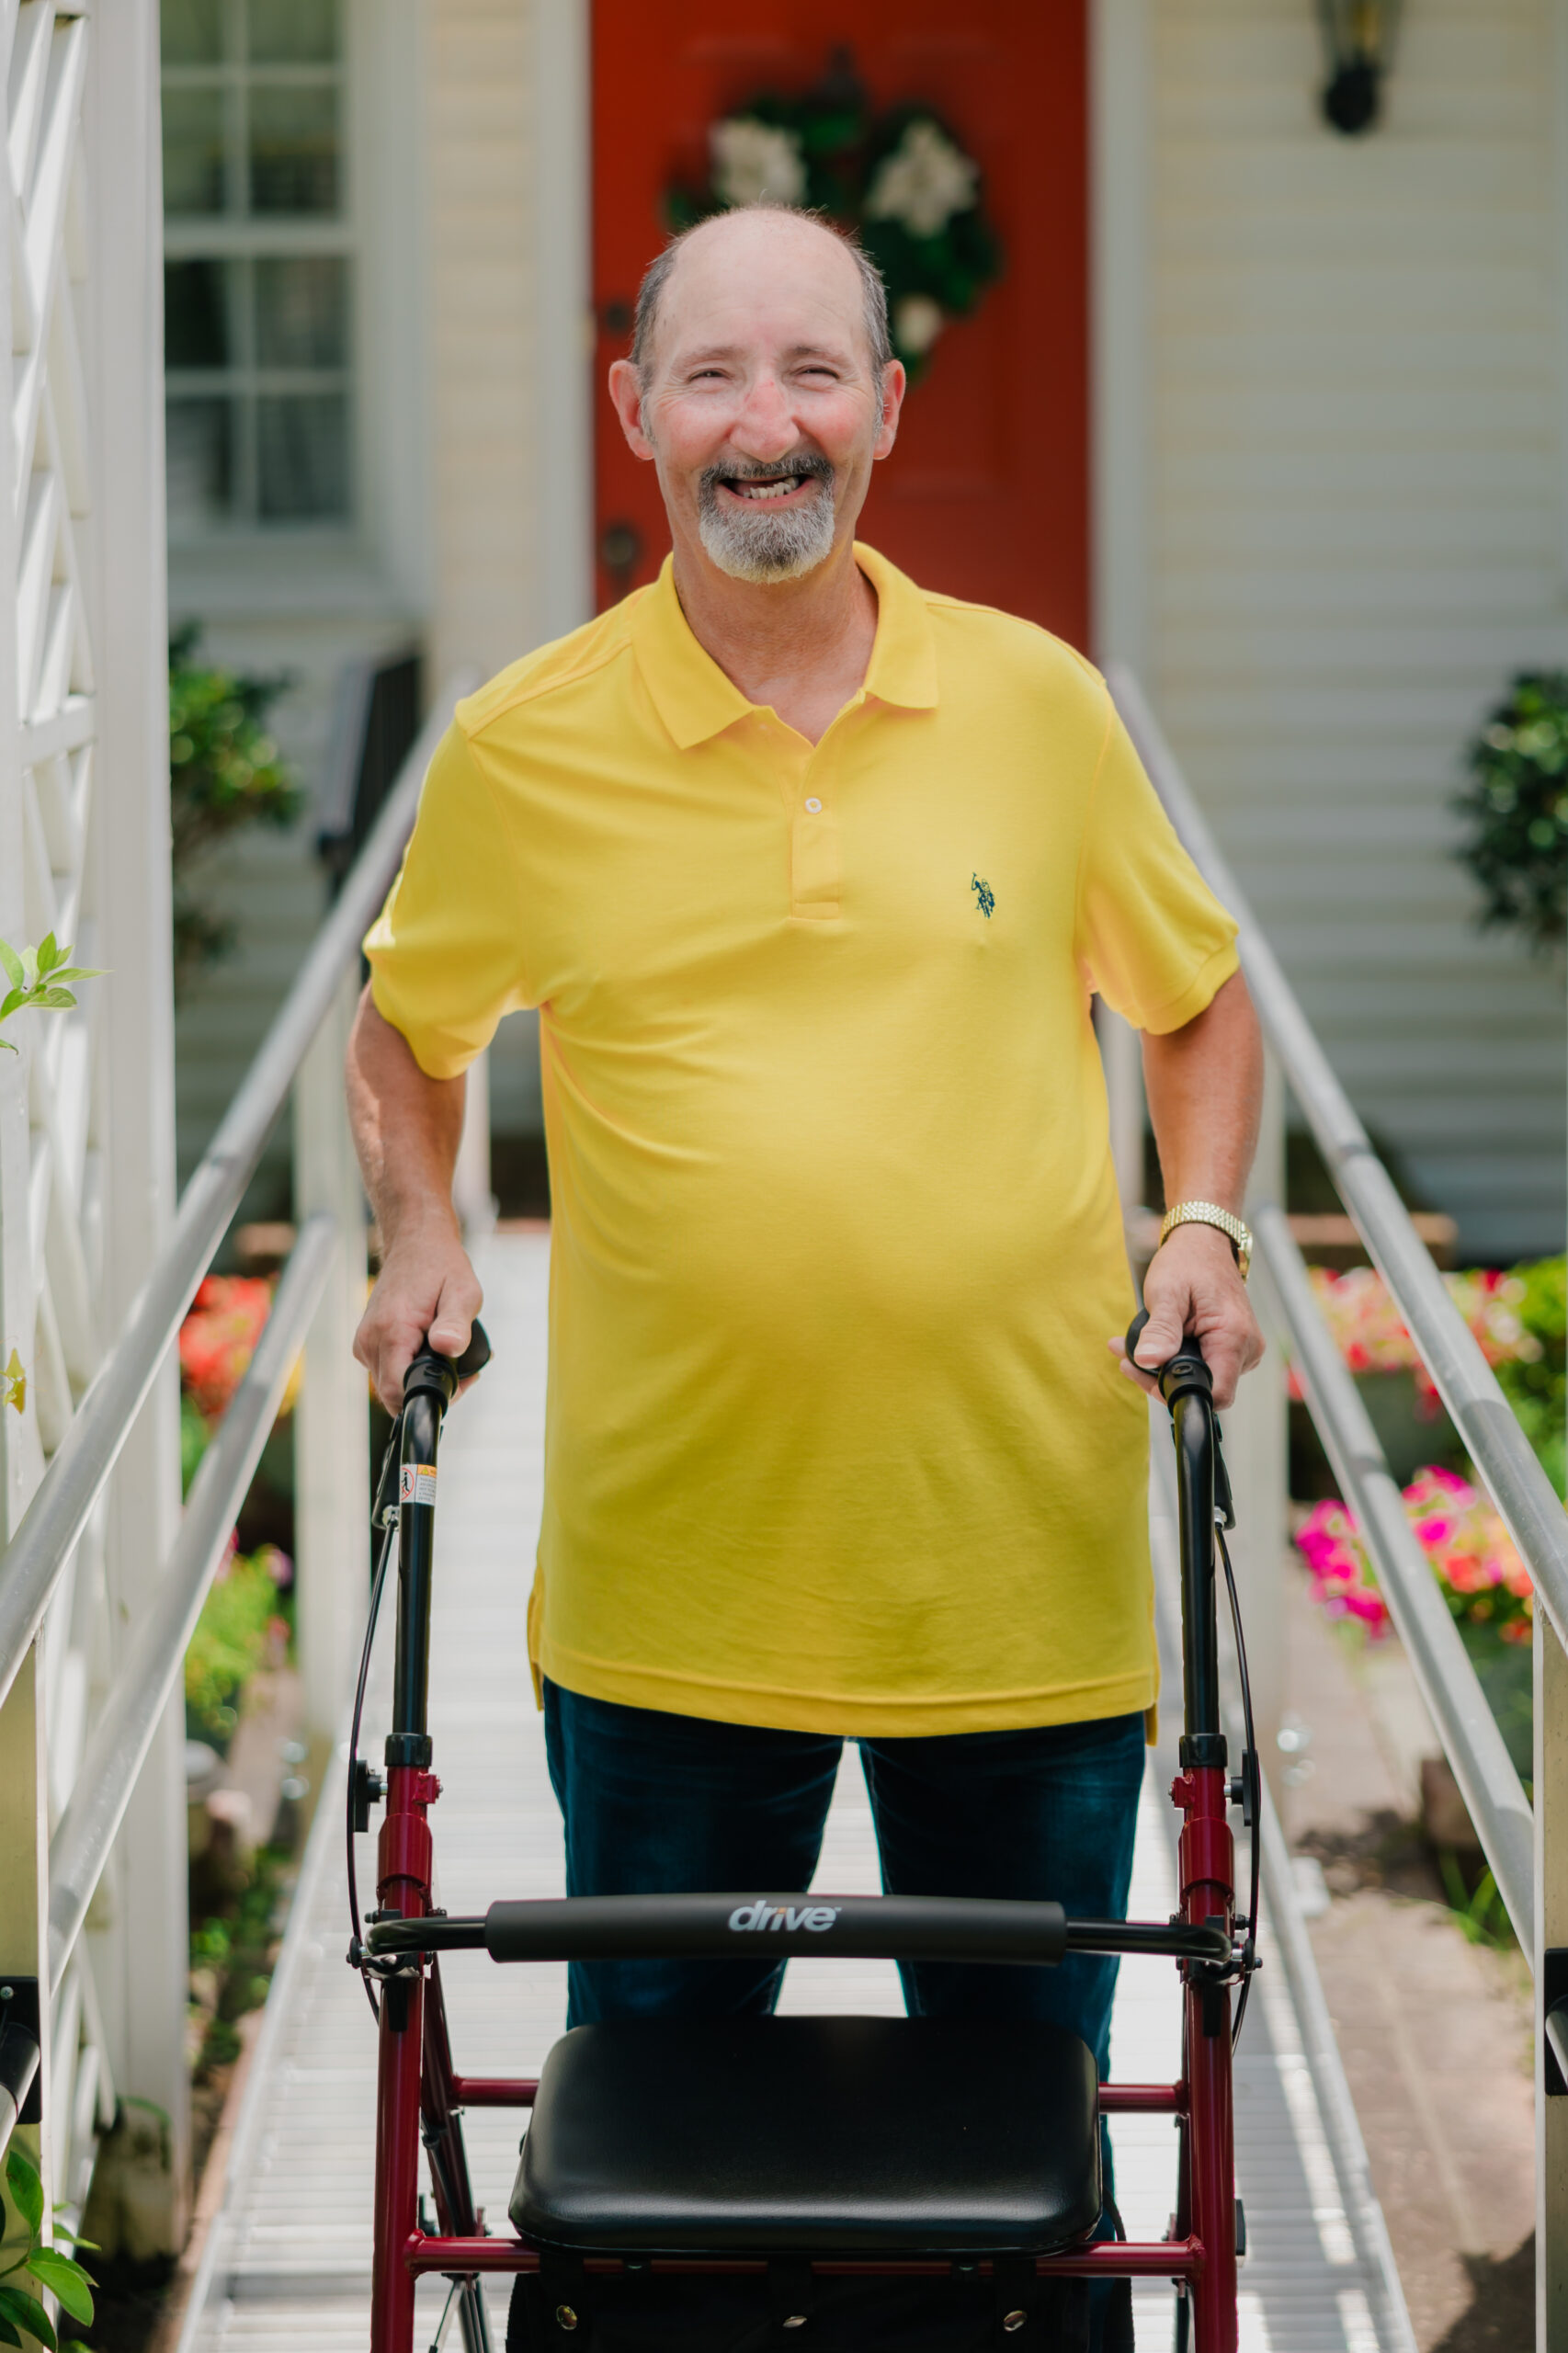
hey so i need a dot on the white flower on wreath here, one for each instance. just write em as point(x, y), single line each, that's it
point(756, 163)
point(917, 321)
point(923, 182)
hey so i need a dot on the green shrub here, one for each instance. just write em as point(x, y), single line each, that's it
point(1517, 809)
point(194, 1439)
point(38, 977)
point(1539, 1391)
point(225, 772)
point(49, 2268)
point(231, 1640)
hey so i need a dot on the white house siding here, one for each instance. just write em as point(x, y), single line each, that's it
point(1356, 532)
point(480, 174)
point(503, 229)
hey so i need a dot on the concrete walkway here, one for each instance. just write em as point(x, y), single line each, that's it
point(287, 2267)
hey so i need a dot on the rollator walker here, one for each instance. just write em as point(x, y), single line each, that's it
point(943, 2168)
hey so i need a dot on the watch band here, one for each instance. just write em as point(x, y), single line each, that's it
point(1209, 1213)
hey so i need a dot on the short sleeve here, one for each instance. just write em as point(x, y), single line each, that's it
point(445, 952)
point(1156, 942)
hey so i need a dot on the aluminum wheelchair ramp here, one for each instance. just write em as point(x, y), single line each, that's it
point(286, 2269)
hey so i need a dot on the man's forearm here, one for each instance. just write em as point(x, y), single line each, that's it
point(407, 1127)
point(1205, 1088)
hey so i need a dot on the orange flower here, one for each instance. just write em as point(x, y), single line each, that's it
point(218, 1339)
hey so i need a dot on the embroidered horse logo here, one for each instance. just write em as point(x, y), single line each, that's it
point(985, 897)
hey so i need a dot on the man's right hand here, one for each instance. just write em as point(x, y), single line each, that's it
point(426, 1289)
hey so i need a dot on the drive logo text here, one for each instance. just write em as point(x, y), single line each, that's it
point(789, 1917)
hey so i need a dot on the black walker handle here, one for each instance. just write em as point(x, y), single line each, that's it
point(1186, 1384)
point(437, 1375)
point(428, 1387)
point(1184, 1371)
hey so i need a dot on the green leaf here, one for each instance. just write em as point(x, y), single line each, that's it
point(30, 968)
point(8, 1048)
point(64, 972)
point(66, 2235)
point(60, 1000)
point(65, 2280)
point(49, 953)
point(27, 2189)
point(9, 2335)
point(10, 963)
point(17, 2305)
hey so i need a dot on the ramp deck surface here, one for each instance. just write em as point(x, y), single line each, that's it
point(287, 2265)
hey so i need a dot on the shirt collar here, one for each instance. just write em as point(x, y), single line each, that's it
point(696, 700)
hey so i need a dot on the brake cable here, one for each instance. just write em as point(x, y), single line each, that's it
point(1252, 1794)
point(383, 1515)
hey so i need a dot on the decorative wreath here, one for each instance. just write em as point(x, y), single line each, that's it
point(900, 179)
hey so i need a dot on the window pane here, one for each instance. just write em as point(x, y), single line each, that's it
point(302, 458)
point(193, 151)
point(201, 464)
point(195, 315)
point(301, 312)
point(192, 32)
point(293, 32)
point(294, 148)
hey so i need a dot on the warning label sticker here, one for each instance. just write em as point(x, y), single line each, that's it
point(416, 1483)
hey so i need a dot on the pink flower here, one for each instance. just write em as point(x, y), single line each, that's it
point(1463, 1538)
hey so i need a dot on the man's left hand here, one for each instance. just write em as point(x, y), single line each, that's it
point(1193, 1289)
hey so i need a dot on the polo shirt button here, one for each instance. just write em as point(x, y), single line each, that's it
point(814, 806)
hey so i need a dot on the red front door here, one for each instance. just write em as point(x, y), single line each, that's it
point(987, 495)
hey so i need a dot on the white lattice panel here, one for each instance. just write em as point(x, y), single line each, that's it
point(51, 829)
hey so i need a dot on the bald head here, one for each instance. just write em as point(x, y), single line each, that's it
point(762, 388)
point(767, 244)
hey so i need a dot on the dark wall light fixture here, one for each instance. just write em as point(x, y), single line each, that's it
point(1358, 38)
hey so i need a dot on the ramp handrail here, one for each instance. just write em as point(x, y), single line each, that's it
point(33, 1564)
point(1463, 1721)
point(34, 1560)
point(124, 1730)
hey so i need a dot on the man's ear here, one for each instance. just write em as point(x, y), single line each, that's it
point(895, 384)
point(626, 391)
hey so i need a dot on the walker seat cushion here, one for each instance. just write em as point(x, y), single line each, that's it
point(831, 2134)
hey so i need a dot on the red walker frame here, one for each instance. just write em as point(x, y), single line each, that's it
point(420, 2096)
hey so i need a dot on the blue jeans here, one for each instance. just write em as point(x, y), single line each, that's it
point(656, 1803)
point(666, 1804)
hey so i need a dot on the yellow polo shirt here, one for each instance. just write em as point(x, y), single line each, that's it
point(834, 1441)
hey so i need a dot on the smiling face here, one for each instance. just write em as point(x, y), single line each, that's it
point(758, 402)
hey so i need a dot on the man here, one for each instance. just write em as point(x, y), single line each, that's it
point(812, 874)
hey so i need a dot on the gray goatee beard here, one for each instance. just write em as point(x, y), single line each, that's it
point(763, 546)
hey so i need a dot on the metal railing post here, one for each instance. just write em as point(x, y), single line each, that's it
point(332, 1442)
point(140, 1942)
point(1549, 1798)
point(471, 1196)
point(1121, 1056)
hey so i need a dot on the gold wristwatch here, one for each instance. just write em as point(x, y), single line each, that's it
point(1211, 1213)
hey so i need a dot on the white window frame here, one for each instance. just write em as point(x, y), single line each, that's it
point(246, 237)
point(378, 558)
